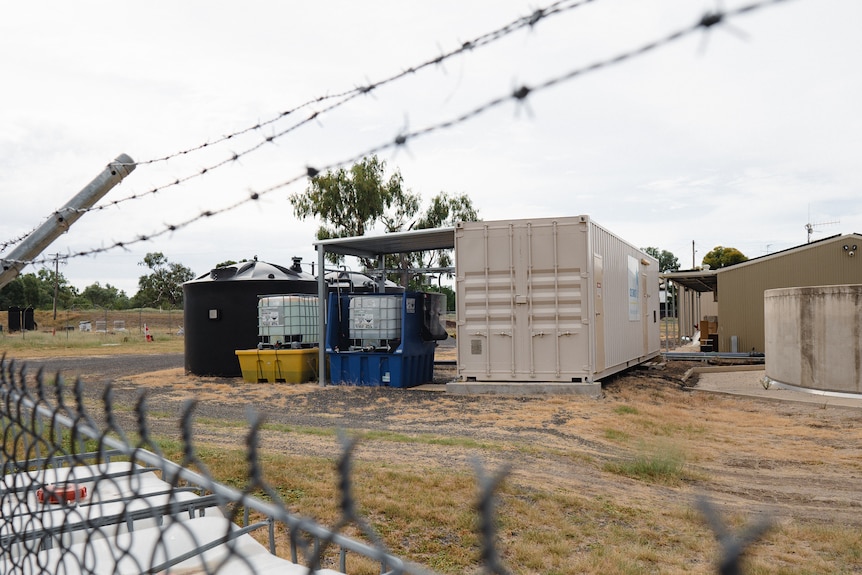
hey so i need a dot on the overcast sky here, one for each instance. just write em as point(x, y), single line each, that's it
point(738, 136)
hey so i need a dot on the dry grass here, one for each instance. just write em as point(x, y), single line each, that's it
point(53, 339)
point(588, 507)
point(596, 486)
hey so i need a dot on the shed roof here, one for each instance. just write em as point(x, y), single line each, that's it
point(393, 243)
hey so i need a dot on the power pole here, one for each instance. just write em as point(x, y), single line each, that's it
point(56, 282)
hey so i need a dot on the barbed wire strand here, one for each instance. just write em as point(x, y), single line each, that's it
point(531, 20)
point(483, 40)
point(518, 95)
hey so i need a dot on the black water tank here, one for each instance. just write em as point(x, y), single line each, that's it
point(30, 319)
point(21, 318)
point(15, 318)
point(221, 308)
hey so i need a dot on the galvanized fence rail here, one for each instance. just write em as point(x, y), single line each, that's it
point(80, 496)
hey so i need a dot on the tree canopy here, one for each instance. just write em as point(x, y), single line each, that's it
point(722, 257)
point(667, 262)
point(351, 202)
point(163, 287)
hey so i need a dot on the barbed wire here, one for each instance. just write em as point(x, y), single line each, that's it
point(519, 95)
point(342, 98)
point(469, 45)
point(16, 240)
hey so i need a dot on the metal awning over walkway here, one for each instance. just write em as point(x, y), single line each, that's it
point(695, 280)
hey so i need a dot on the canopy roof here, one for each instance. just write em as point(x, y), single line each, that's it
point(394, 243)
point(697, 280)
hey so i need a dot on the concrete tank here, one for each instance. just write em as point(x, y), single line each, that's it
point(814, 337)
point(221, 312)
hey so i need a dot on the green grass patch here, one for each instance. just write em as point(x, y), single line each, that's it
point(374, 435)
point(659, 463)
point(465, 442)
point(617, 435)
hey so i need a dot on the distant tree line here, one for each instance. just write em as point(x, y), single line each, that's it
point(162, 288)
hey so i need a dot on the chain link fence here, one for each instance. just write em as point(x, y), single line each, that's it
point(167, 322)
point(80, 495)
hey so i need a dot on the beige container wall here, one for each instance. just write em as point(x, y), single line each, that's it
point(629, 334)
point(814, 337)
point(528, 295)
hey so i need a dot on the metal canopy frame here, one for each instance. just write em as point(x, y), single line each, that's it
point(370, 247)
point(696, 280)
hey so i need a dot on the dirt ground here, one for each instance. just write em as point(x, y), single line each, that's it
point(792, 461)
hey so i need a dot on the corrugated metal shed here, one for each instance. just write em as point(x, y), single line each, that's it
point(830, 261)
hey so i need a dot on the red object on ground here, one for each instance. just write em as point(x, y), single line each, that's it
point(61, 493)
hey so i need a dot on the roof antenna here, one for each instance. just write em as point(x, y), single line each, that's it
point(809, 227)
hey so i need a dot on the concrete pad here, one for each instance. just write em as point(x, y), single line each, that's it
point(439, 387)
point(749, 381)
point(523, 388)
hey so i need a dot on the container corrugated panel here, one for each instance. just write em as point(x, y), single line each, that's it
point(630, 322)
point(528, 301)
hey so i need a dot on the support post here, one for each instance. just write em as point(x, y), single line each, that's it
point(321, 317)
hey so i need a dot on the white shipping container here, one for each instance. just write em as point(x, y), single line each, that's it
point(552, 300)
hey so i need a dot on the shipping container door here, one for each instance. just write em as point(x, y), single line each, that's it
point(520, 313)
point(486, 300)
point(556, 338)
point(645, 323)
